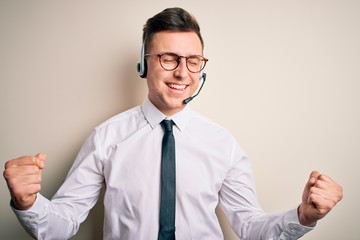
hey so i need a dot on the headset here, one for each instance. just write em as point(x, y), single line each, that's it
point(142, 65)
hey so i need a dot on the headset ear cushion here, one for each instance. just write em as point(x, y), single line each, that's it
point(142, 65)
point(138, 68)
point(142, 69)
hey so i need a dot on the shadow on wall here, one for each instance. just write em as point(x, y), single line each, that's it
point(132, 90)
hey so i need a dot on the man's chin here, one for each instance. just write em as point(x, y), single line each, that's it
point(174, 106)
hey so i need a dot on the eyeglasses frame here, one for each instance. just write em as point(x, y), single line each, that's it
point(159, 55)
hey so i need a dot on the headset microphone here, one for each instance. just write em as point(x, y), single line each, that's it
point(187, 100)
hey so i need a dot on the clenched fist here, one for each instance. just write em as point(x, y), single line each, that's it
point(23, 177)
point(320, 195)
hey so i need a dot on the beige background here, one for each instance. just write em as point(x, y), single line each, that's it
point(283, 77)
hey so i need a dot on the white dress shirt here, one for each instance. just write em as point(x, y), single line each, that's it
point(124, 154)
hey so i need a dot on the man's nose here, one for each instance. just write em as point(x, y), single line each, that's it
point(181, 71)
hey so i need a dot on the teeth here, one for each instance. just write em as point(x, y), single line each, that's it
point(179, 87)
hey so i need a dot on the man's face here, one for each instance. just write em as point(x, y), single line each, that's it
point(168, 89)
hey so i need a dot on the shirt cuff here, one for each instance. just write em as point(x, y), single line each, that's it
point(36, 208)
point(30, 218)
point(294, 229)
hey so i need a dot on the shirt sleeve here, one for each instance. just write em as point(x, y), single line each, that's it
point(60, 217)
point(239, 202)
point(42, 221)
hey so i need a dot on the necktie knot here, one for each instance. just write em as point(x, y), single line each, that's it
point(167, 125)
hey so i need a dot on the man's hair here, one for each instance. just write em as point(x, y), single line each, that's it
point(171, 19)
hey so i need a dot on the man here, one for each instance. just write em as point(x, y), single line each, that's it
point(125, 154)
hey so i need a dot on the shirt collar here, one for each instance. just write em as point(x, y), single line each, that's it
point(154, 116)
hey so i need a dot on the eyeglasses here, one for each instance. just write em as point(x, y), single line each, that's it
point(170, 61)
